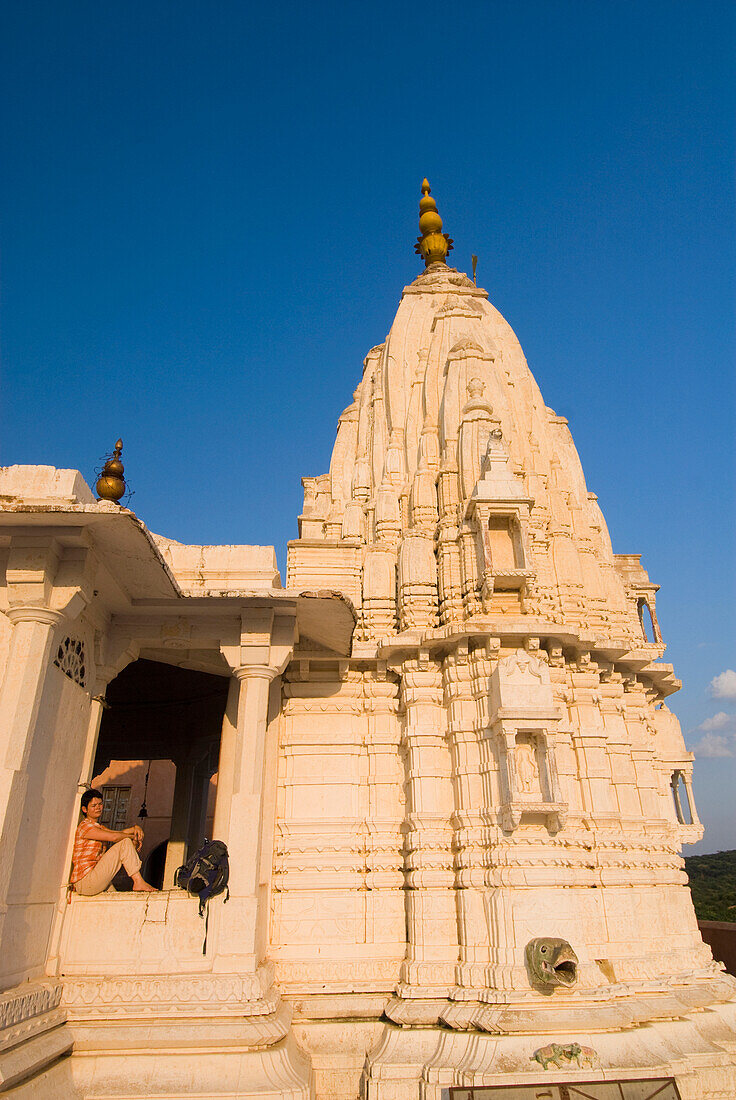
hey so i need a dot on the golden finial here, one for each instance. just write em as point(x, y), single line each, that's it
point(111, 482)
point(433, 243)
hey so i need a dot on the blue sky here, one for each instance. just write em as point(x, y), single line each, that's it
point(208, 214)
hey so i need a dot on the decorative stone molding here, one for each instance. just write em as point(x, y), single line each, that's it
point(19, 1005)
point(30, 613)
point(28, 1011)
point(185, 995)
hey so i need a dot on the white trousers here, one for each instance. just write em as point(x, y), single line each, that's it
point(122, 854)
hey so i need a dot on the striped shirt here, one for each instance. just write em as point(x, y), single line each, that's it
point(87, 852)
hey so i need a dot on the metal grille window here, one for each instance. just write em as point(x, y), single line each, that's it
point(115, 803)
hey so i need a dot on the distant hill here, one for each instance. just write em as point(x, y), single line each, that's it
point(713, 883)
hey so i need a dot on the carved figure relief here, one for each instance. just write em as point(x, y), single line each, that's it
point(526, 765)
point(563, 1056)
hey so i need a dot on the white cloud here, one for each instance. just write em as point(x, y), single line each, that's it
point(714, 744)
point(720, 721)
point(724, 686)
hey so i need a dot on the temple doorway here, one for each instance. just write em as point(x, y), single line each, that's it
point(157, 758)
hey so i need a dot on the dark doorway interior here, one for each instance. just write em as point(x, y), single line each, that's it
point(159, 713)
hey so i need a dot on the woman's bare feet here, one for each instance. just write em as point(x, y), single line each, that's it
point(140, 884)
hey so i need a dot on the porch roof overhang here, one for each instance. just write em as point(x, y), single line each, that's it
point(134, 581)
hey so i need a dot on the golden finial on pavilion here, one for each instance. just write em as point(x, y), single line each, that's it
point(111, 482)
point(433, 244)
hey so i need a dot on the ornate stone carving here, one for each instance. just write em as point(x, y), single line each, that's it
point(551, 963)
point(70, 658)
point(29, 1011)
point(19, 1005)
point(175, 995)
point(418, 597)
point(563, 1056)
point(526, 766)
point(405, 844)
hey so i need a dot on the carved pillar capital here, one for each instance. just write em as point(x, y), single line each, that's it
point(421, 682)
point(114, 649)
point(40, 574)
point(261, 638)
point(255, 672)
point(30, 613)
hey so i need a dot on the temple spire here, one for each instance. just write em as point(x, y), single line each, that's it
point(433, 244)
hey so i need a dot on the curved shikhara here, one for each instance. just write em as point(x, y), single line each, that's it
point(453, 491)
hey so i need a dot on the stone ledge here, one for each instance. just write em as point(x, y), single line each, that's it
point(197, 995)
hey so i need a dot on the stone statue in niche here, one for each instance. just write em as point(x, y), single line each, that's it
point(526, 766)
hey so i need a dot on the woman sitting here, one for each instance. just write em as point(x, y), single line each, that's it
point(99, 852)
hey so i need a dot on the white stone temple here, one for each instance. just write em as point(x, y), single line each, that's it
point(452, 792)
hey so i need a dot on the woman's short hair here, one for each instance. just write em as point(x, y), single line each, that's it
point(88, 796)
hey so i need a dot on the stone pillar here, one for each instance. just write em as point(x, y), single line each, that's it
point(448, 552)
point(675, 783)
point(226, 767)
point(245, 807)
point(20, 696)
point(197, 822)
point(257, 652)
point(240, 800)
point(96, 708)
point(429, 967)
point(694, 819)
point(85, 778)
point(176, 849)
point(188, 810)
point(461, 674)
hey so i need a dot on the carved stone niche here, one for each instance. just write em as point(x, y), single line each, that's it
point(524, 718)
point(317, 499)
point(501, 513)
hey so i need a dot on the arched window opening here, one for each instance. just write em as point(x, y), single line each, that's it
point(681, 796)
point(647, 623)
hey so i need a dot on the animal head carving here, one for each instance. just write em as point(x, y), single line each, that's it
point(551, 962)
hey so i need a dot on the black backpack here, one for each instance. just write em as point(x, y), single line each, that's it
point(204, 876)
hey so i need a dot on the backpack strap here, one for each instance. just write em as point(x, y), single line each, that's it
point(206, 926)
point(204, 909)
point(205, 896)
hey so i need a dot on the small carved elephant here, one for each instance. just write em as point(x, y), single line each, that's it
point(563, 1056)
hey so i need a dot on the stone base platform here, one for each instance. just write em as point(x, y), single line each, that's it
point(696, 1050)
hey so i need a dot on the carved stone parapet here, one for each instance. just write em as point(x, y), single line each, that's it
point(167, 996)
point(28, 1011)
point(17, 1006)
